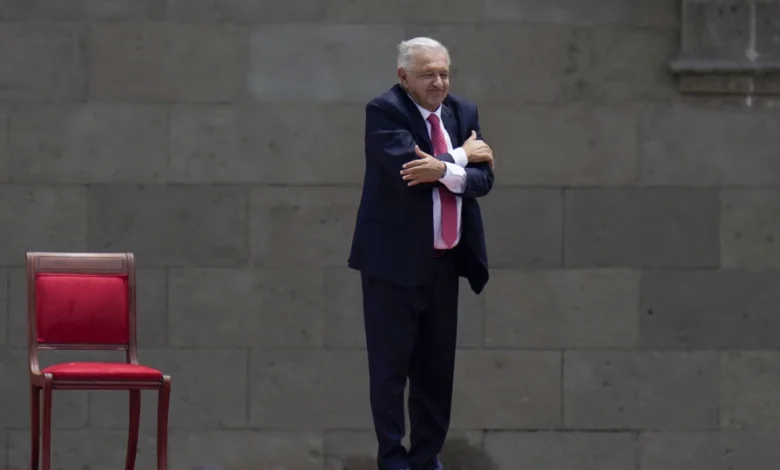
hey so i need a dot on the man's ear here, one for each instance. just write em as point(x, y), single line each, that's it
point(402, 77)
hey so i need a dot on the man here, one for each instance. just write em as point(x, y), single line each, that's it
point(418, 229)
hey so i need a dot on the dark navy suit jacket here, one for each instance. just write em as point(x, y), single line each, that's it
point(393, 237)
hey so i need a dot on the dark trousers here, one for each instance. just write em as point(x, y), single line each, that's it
point(411, 333)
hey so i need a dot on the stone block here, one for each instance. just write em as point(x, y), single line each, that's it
point(715, 29)
point(293, 227)
point(4, 448)
point(209, 390)
point(81, 10)
point(405, 11)
point(4, 309)
point(16, 283)
point(640, 390)
point(327, 51)
point(86, 448)
point(344, 324)
point(750, 382)
point(562, 450)
point(709, 451)
point(615, 65)
point(647, 228)
point(108, 410)
point(767, 29)
point(225, 449)
point(5, 150)
point(171, 225)
point(746, 89)
point(42, 61)
point(523, 227)
point(507, 390)
point(733, 36)
point(465, 450)
point(168, 62)
point(495, 64)
point(347, 450)
point(89, 143)
point(287, 144)
point(750, 224)
point(573, 145)
point(241, 11)
point(562, 309)
point(309, 389)
point(701, 145)
point(357, 450)
point(241, 450)
point(69, 408)
point(709, 309)
point(41, 218)
point(151, 307)
point(471, 317)
point(589, 13)
point(246, 308)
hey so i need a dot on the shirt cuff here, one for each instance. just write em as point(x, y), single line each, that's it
point(454, 178)
point(460, 157)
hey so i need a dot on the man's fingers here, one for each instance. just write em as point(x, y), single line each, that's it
point(473, 135)
point(412, 172)
point(413, 167)
point(417, 181)
point(420, 153)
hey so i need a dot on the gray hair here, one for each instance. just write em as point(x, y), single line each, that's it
point(408, 49)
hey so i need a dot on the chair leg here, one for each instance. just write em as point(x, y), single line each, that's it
point(132, 434)
point(35, 426)
point(163, 401)
point(47, 398)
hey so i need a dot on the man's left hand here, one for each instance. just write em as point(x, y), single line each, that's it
point(425, 170)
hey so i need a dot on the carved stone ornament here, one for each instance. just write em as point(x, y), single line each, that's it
point(729, 47)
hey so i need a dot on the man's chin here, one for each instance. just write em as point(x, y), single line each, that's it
point(436, 100)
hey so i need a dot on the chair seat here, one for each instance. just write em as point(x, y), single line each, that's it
point(102, 371)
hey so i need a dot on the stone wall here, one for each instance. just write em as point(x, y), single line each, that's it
point(631, 320)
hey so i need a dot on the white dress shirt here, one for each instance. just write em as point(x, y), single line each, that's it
point(454, 179)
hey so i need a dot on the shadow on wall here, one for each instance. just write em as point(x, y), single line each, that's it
point(458, 454)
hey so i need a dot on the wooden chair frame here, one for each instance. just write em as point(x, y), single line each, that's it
point(88, 263)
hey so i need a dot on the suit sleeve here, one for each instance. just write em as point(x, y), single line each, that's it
point(479, 176)
point(393, 146)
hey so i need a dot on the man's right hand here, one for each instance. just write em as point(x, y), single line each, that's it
point(478, 150)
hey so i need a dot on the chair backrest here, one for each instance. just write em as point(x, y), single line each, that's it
point(81, 301)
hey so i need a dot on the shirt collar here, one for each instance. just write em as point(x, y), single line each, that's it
point(425, 113)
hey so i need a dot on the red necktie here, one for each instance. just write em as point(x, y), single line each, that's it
point(449, 207)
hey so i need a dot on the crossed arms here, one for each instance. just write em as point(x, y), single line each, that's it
point(395, 150)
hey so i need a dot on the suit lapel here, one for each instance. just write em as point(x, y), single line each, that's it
point(451, 125)
point(419, 129)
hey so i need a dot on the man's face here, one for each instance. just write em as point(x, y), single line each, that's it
point(428, 80)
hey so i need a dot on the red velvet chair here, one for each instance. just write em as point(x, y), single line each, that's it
point(80, 301)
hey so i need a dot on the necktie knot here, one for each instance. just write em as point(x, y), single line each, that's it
point(433, 119)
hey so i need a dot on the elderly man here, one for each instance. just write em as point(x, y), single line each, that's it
point(418, 229)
